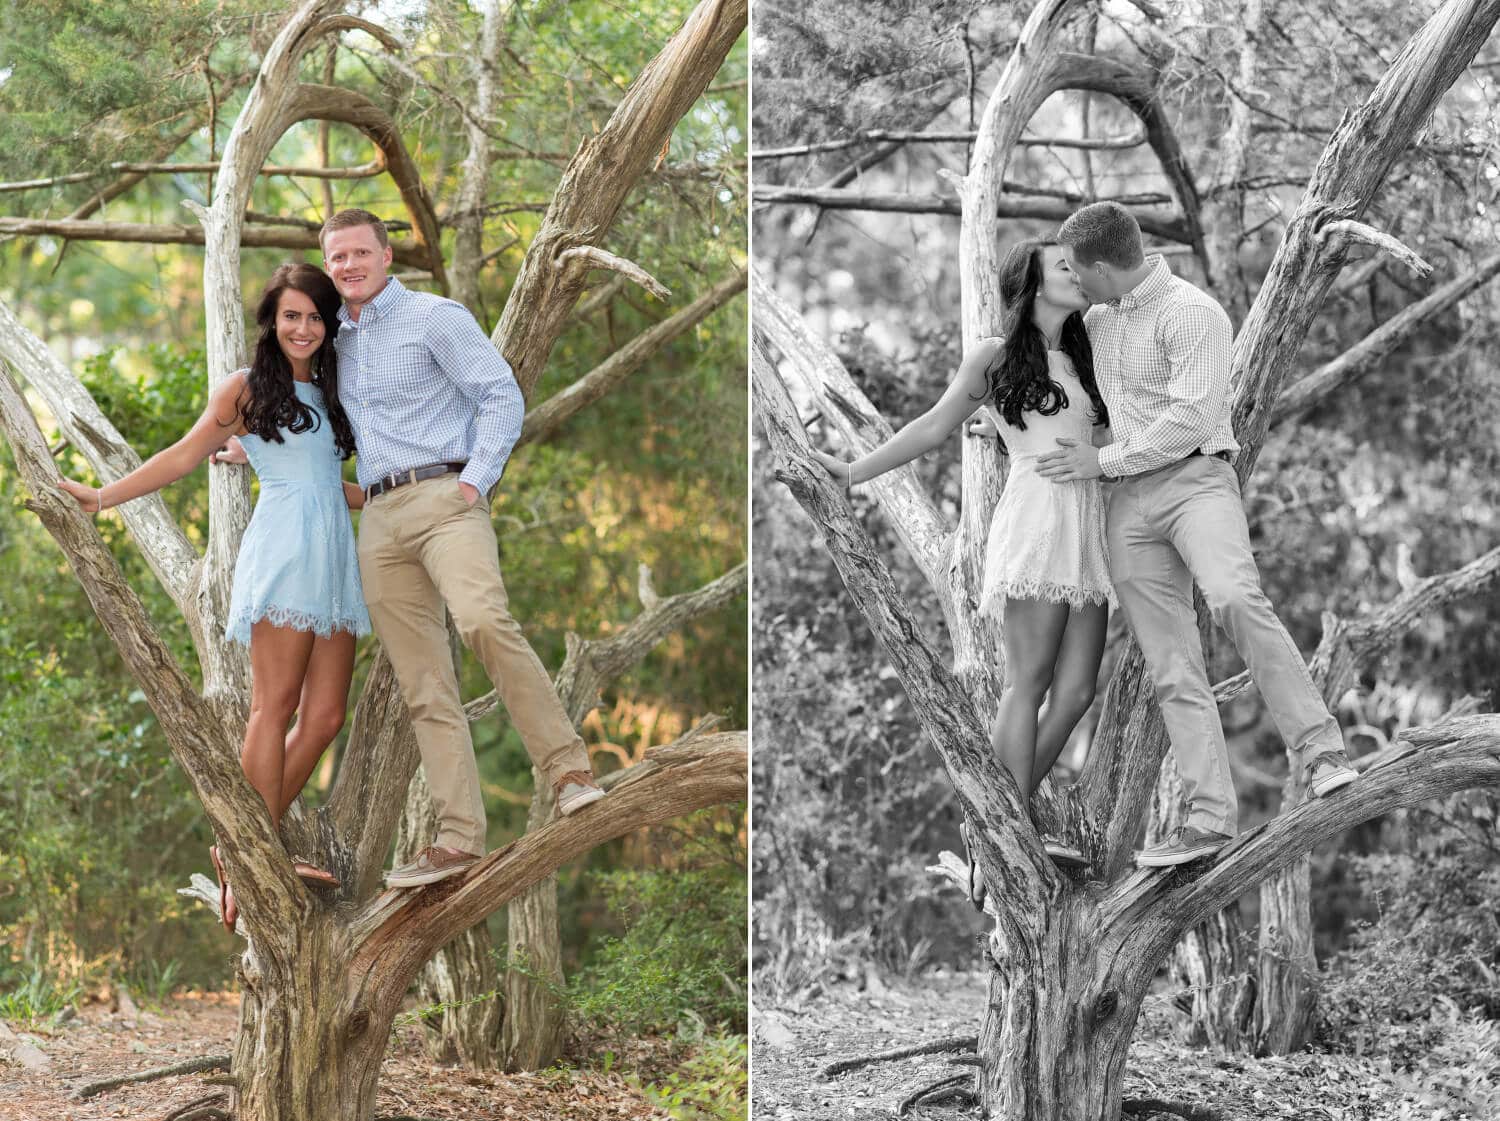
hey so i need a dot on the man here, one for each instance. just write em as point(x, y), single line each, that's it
point(436, 411)
point(1162, 351)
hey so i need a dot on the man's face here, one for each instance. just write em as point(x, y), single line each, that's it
point(357, 262)
point(1095, 280)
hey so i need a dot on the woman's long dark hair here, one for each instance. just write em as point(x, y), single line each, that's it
point(273, 402)
point(1019, 380)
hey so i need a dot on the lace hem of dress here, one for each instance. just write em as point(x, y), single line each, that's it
point(323, 626)
point(1046, 591)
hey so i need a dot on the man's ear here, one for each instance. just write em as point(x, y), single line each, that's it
point(387, 255)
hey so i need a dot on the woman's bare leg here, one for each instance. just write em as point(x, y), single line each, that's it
point(1075, 680)
point(279, 659)
point(320, 712)
point(1032, 634)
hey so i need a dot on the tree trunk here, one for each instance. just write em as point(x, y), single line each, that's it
point(461, 976)
point(307, 1046)
point(535, 1007)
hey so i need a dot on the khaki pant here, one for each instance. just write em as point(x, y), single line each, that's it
point(1167, 529)
point(421, 546)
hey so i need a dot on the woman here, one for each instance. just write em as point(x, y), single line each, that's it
point(1045, 577)
point(296, 600)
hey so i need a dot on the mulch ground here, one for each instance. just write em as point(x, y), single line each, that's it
point(791, 1045)
point(99, 1044)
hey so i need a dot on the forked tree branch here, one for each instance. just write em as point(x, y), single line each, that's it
point(602, 172)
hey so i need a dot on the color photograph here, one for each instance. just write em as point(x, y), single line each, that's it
point(374, 729)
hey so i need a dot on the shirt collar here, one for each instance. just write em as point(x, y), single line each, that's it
point(385, 300)
point(1151, 288)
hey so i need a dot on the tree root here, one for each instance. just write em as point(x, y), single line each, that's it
point(956, 1043)
point(192, 1066)
point(1145, 1107)
point(941, 1090)
point(203, 1109)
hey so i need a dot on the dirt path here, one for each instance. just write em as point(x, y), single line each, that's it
point(790, 1046)
point(99, 1044)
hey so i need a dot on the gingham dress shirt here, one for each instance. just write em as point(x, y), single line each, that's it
point(1162, 360)
point(423, 384)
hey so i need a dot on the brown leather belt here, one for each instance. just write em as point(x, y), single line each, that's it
point(415, 475)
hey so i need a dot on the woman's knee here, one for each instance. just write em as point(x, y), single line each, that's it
point(274, 701)
point(1072, 697)
point(1029, 683)
point(322, 722)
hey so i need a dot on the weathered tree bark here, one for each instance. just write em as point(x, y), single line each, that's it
point(473, 176)
point(1071, 962)
point(324, 971)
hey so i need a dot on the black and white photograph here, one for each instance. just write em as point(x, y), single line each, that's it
point(1124, 610)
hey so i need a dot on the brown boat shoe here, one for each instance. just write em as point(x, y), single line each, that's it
point(432, 864)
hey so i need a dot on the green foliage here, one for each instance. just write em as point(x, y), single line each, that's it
point(713, 1083)
point(27, 997)
point(680, 953)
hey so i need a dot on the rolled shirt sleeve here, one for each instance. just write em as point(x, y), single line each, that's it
point(464, 352)
point(1197, 343)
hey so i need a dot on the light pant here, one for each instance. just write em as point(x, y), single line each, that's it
point(421, 546)
point(1166, 529)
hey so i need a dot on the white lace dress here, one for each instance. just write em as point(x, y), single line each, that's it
point(1047, 539)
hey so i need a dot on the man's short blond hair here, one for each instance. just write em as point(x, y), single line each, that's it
point(346, 219)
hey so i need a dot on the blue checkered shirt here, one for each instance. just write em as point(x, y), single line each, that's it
point(422, 383)
point(1162, 355)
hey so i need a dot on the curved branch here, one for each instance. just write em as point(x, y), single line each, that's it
point(1336, 237)
point(600, 175)
point(542, 421)
point(1427, 763)
point(592, 257)
point(593, 664)
point(333, 103)
point(399, 930)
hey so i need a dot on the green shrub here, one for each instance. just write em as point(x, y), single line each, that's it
point(27, 997)
point(682, 952)
point(713, 1083)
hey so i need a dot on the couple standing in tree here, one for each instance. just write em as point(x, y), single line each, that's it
point(1110, 391)
point(411, 381)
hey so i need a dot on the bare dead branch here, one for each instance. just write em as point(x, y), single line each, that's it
point(1336, 237)
point(1160, 225)
point(591, 256)
point(543, 421)
point(1332, 376)
point(939, 136)
point(190, 1066)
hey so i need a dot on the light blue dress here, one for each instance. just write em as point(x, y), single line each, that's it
point(297, 565)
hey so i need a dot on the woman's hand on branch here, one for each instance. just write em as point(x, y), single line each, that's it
point(984, 426)
point(88, 498)
point(842, 471)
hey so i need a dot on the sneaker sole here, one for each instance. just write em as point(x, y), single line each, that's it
point(1168, 860)
point(1331, 783)
point(573, 805)
point(422, 879)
